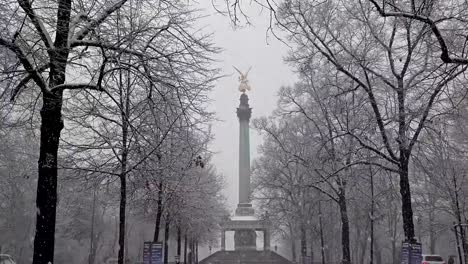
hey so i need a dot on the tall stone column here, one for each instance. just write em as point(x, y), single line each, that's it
point(243, 113)
point(244, 239)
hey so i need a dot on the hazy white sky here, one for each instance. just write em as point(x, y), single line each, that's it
point(243, 47)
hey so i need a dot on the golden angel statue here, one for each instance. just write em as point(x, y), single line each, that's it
point(244, 82)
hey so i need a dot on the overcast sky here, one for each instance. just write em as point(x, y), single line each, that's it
point(243, 47)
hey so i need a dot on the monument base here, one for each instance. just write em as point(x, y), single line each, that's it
point(245, 239)
point(245, 209)
point(245, 257)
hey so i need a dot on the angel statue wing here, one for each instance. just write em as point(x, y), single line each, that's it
point(247, 73)
point(240, 73)
point(244, 82)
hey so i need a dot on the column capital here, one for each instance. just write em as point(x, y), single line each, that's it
point(244, 112)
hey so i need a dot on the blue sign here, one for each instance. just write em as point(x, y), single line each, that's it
point(416, 253)
point(152, 253)
point(146, 252)
point(405, 253)
point(307, 260)
point(411, 253)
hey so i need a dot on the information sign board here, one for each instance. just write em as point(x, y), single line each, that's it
point(152, 253)
point(411, 253)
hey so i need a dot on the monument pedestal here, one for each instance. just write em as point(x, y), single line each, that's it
point(245, 239)
point(244, 223)
point(245, 209)
point(245, 229)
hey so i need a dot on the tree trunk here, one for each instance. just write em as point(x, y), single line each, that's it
point(293, 244)
point(378, 252)
point(46, 197)
point(311, 243)
point(166, 239)
point(123, 204)
point(303, 242)
point(92, 248)
point(346, 254)
point(432, 235)
point(363, 247)
point(358, 238)
point(179, 242)
point(196, 251)
point(123, 166)
point(372, 217)
point(365, 236)
point(157, 225)
point(322, 242)
point(190, 254)
point(51, 127)
point(393, 221)
point(458, 214)
point(193, 251)
point(403, 147)
point(185, 248)
point(405, 191)
point(394, 252)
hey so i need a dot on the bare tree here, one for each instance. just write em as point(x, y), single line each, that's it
point(408, 71)
point(392, 59)
point(86, 33)
point(441, 17)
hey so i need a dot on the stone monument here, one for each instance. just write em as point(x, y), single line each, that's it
point(244, 223)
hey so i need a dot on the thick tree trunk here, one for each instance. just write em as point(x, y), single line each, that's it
point(406, 207)
point(403, 146)
point(157, 225)
point(346, 254)
point(46, 197)
point(51, 126)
